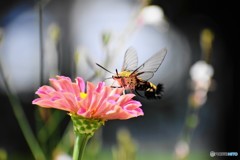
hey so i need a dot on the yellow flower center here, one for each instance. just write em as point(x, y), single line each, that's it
point(83, 95)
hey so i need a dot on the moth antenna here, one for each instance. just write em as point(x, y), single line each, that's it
point(107, 78)
point(103, 68)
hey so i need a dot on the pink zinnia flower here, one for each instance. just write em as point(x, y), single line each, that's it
point(96, 102)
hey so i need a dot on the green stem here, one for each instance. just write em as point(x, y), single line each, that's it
point(25, 127)
point(79, 146)
point(22, 121)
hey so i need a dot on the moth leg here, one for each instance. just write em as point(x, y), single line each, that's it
point(124, 91)
point(112, 86)
point(116, 86)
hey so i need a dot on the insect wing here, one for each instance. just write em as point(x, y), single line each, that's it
point(151, 65)
point(130, 60)
point(145, 75)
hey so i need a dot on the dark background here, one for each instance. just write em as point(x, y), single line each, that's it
point(222, 16)
point(185, 14)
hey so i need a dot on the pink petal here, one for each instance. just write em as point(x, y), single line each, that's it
point(131, 105)
point(72, 101)
point(125, 98)
point(100, 86)
point(55, 84)
point(66, 85)
point(90, 93)
point(81, 84)
point(50, 104)
point(81, 111)
point(62, 84)
point(44, 91)
point(116, 91)
point(101, 102)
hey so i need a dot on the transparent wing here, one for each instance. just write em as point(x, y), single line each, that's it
point(148, 68)
point(146, 75)
point(130, 60)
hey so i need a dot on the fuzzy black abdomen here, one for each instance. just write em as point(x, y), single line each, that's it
point(154, 93)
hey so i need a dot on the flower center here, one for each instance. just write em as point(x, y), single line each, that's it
point(83, 95)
